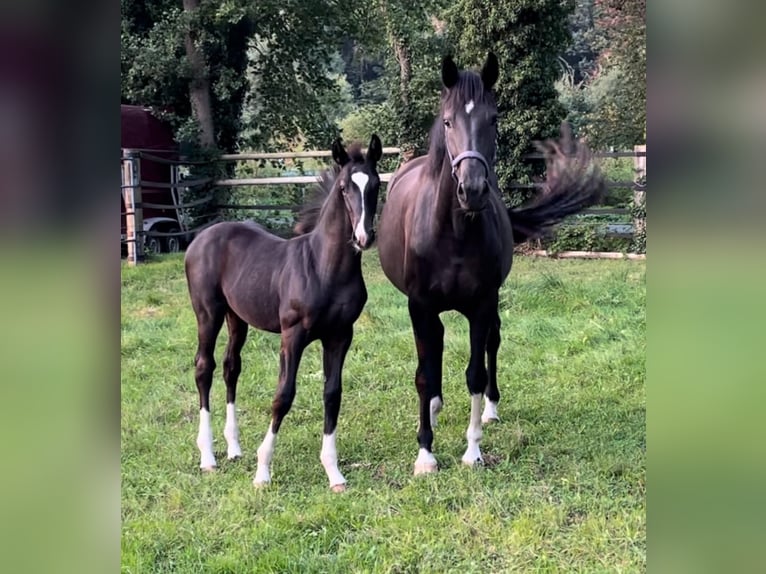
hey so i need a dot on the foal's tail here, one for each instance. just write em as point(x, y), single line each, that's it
point(573, 183)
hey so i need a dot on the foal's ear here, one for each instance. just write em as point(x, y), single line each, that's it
point(490, 71)
point(339, 153)
point(375, 151)
point(450, 73)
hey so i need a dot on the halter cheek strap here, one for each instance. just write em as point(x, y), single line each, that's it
point(465, 155)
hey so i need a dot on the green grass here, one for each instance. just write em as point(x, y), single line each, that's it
point(563, 489)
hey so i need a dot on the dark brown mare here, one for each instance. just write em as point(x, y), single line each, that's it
point(446, 240)
point(306, 288)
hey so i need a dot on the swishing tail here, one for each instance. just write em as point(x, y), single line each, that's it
point(573, 183)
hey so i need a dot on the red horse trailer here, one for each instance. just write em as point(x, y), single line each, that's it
point(143, 131)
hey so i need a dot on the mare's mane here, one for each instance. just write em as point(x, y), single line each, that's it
point(309, 213)
point(469, 87)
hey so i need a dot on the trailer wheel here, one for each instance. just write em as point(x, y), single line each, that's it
point(173, 243)
point(152, 245)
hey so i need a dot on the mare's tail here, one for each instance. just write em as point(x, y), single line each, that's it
point(573, 183)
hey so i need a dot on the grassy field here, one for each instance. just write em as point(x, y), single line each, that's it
point(563, 489)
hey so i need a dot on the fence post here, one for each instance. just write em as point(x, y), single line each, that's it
point(639, 189)
point(134, 213)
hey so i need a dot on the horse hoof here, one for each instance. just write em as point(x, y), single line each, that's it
point(488, 420)
point(473, 462)
point(260, 484)
point(338, 488)
point(207, 469)
point(426, 468)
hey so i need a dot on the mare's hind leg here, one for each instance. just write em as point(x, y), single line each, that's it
point(333, 355)
point(209, 321)
point(294, 340)
point(429, 342)
point(232, 367)
point(492, 394)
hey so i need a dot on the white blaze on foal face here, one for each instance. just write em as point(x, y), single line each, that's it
point(469, 107)
point(360, 180)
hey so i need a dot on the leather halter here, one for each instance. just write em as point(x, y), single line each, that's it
point(465, 155)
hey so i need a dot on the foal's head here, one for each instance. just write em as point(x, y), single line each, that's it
point(469, 120)
point(359, 183)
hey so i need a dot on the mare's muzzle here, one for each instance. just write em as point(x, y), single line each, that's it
point(472, 182)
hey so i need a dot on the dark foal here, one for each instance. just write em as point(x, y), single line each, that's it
point(446, 240)
point(307, 288)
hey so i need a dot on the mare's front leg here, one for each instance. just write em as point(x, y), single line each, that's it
point(481, 322)
point(492, 394)
point(429, 342)
point(334, 351)
point(294, 341)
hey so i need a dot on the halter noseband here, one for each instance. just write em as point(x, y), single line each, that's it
point(465, 155)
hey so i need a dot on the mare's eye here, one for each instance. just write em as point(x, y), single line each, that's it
point(448, 123)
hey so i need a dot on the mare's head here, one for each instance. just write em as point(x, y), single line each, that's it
point(467, 128)
point(359, 184)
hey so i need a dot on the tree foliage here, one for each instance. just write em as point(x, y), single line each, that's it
point(528, 37)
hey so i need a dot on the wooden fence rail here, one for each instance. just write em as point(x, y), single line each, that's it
point(132, 185)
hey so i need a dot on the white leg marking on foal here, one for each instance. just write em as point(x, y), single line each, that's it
point(469, 107)
point(436, 407)
point(329, 458)
point(425, 462)
point(231, 432)
point(265, 452)
point(473, 434)
point(490, 411)
point(205, 441)
point(360, 179)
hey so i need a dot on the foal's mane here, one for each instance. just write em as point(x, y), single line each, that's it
point(309, 213)
point(469, 87)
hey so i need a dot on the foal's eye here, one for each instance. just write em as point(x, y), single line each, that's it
point(447, 123)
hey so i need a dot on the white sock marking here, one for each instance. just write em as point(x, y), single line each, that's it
point(360, 179)
point(205, 441)
point(436, 406)
point(473, 434)
point(231, 432)
point(469, 107)
point(490, 411)
point(265, 452)
point(425, 462)
point(329, 458)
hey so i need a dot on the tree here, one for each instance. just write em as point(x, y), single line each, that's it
point(621, 117)
point(528, 37)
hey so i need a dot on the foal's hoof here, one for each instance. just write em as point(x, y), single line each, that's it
point(207, 469)
point(426, 468)
point(488, 420)
point(338, 488)
point(260, 483)
point(473, 461)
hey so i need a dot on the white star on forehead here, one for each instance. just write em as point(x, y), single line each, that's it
point(360, 179)
point(469, 107)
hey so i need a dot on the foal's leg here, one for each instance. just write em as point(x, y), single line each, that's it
point(232, 366)
point(492, 394)
point(334, 354)
point(429, 342)
point(476, 378)
point(209, 321)
point(293, 343)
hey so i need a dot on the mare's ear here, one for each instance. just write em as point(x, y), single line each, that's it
point(450, 73)
point(339, 153)
point(375, 151)
point(490, 71)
